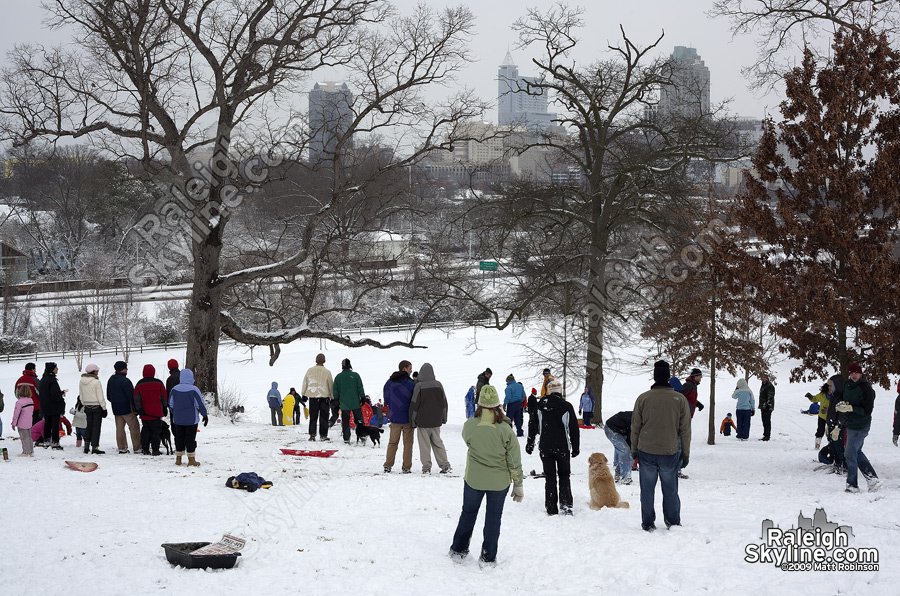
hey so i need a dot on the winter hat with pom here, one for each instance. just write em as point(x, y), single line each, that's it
point(510, 378)
point(488, 398)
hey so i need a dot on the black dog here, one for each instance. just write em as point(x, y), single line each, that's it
point(165, 437)
point(364, 432)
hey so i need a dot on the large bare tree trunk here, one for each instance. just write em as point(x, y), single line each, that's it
point(206, 303)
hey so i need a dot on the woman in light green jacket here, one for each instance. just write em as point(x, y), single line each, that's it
point(493, 463)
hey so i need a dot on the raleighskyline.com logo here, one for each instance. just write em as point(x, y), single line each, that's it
point(814, 545)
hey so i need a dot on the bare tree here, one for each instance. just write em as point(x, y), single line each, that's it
point(174, 83)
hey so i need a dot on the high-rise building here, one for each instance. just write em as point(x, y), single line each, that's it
point(516, 104)
point(330, 115)
point(688, 95)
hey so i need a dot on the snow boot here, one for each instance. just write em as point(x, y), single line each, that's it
point(192, 461)
point(618, 475)
point(851, 489)
point(312, 437)
point(874, 484)
point(178, 455)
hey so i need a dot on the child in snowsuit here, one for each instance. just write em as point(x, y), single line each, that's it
point(823, 400)
point(586, 405)
point(558, 426)
point(22, 420)
point(727, 425)
point(79, 421)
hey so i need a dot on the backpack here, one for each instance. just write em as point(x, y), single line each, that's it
point(675, 382)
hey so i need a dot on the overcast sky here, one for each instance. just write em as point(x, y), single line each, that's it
point(683, 21)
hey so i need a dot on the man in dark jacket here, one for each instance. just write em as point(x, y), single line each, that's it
point(427, 413)
point(151, 402)
point(173, 379)
point(483, 379)
point(618, 431)
point(689, 390)
point(53, 404)
point(349, 393)
point(30, 379)
point(766, 404)
point(557, 424)
point(120, 393)
point(857, 404)
point(397, 397)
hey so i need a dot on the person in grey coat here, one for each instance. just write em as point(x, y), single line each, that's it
point(427, 413)
point(275, 404)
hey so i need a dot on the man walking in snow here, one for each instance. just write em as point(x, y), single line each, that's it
point(318, 387)
point(427, 413)
point(660, 418)
point(349, 393)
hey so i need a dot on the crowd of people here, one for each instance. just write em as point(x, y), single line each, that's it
point(142, 408)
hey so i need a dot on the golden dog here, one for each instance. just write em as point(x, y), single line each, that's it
point(602, 485)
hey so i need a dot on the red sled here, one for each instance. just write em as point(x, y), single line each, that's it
point(367, 414)
point(586, 427)
point(307, 453)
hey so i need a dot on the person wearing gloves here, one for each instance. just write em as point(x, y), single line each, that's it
point(558, 426)
point(348, 390)
point(90, 391)
point(659, 419)
point(493, 462)
point(120, 394)
point(187, 407)
point(822, 400)
point(766, 405)
point(53, 405)
point(150, 401)
point(746, 407)
point(857, 403)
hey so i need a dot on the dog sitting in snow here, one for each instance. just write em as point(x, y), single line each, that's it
point(364, 432)
point(602, 485)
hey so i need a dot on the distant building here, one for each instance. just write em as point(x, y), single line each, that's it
point(516, 104)
point(688, 95)
point(330, 116)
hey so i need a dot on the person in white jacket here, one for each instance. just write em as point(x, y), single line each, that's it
point(90, 390)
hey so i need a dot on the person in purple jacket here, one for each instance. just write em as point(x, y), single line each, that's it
point(186, 404)
point(397, 397)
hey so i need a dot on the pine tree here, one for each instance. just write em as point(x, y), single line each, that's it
point(826, 213)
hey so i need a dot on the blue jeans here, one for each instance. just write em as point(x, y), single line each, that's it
point(743, 424)
point(664, 467)
point(622, 459)
point(514, 412)
point(492, 514)
point(856, 459)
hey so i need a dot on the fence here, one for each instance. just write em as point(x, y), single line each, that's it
point(140, 349)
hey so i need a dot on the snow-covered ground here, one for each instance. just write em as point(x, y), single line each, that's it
point(340, 526)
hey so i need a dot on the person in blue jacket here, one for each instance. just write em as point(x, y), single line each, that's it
point(397, 397)
point(470, 402)
point(586, 405)
point(186, 404)
point(746, 407)
point(275, 405)
point(512, 403)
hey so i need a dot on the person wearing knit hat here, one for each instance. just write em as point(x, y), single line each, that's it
point(856, 405)
point(90, 392)
point(660, 420)
point(557, 425)
point(120, 395)
point(152, 405)
point(493, 460)
point(173, 379)
point(53, 405)
point(318, 388)
point(513, 400)
point(547, 379)
point(689, 389)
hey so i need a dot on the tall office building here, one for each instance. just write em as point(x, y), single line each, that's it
point(516, 106)
point(330, 115)
point(688, 95)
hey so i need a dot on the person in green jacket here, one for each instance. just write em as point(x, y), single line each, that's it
point(859, 399)
point(348, 391)
point(493, 462)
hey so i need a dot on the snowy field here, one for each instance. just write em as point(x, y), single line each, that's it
point(340, 526)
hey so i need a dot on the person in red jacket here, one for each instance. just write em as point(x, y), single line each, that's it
point(150, 400)
point(689, 390)
point(29, 379)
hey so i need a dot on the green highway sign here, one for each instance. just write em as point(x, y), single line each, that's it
point(487, 265)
